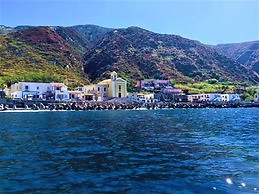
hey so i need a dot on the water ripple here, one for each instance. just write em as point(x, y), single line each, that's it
point(162, 151)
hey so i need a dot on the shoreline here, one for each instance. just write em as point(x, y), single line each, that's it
point(90, 106)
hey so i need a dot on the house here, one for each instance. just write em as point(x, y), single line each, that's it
point(96, 92)
point(213, 97)
point(143, 97)
point(204, 97)
point(230, 97)
point(34, 90)
point(180, 98)
point(80, 88)
point(256, 97)
point(60, 91)
point(173, 97)
point(151, 84)
point(169, 93)
point(76, 95)
point(29, 90)
point(171, 90)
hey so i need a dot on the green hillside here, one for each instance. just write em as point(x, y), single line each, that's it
point(37, 57)
point(78, 54)
point(246, 53)
point(137, 53)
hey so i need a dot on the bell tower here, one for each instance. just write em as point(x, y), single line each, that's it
point(114, 76)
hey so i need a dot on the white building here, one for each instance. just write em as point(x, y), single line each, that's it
point(256, 97)
point(60, 91)
point(230, 97)
point(213, 97)
point(142, 97)
point(76, 95)
point(204, 97)
point(28, 90)
point(34, 90)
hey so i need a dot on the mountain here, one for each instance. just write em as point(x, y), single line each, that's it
point(78, 54)
point(5, 29)
point(46, 53)
point(137, 53)
point(23, 27)
point(246, 53)
point(92, 33)
point(40, 51)
point(89, 33)
point(78, 42)
point(81, 37)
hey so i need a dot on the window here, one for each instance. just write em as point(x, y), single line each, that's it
point(98, 89)
point(119, 87)
point(104, 89)
point(26, 87)
point(38, 87)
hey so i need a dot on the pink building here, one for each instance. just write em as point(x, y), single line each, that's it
point(150, 83)
point(172, 91)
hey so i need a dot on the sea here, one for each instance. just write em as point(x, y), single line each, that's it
point(130, 151)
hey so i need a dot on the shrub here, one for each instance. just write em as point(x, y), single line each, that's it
point(213, 81)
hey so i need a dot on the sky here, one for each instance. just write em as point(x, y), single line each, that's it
point(208, 21)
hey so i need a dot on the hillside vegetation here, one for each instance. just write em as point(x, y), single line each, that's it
point(78, 54)
point(138, 53)
point(38, 55)
point(246, 53)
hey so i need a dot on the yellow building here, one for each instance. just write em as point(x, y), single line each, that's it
point(109, 88)
point(116, 86)
point(98, 91)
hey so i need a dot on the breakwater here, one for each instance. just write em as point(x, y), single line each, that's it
point(119, 105)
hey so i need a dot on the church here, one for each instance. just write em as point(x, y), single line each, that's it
point(115, 87)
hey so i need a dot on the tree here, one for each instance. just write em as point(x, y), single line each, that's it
point(172, 82)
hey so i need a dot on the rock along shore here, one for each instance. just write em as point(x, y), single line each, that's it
point(118, 105)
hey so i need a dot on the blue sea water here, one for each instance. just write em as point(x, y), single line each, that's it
point(127, 151)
